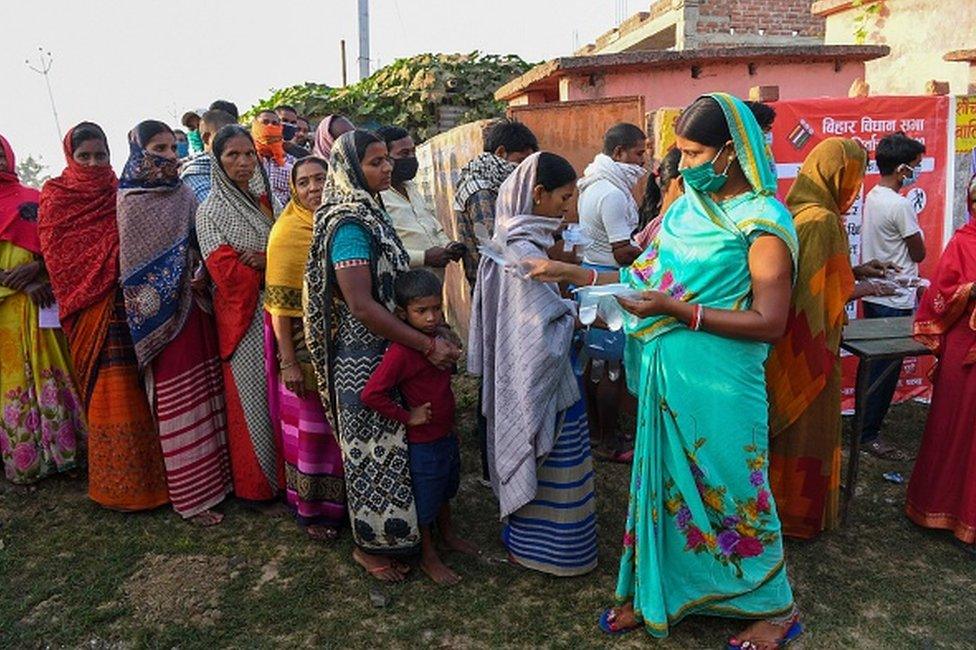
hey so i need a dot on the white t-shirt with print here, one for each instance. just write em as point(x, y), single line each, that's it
point(888, 219)
point(606, 215)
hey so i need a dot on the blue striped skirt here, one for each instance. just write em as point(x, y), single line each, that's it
point(556, 532)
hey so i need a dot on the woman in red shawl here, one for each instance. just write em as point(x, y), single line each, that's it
point(942, 491)
point(41, 419)
point(80, 241)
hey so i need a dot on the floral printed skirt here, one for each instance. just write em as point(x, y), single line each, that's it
point(702, 533)
point(41, 417)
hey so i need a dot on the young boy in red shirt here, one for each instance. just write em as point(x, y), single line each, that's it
point(435, 462)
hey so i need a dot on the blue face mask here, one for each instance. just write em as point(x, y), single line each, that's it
point(703, 177)
point(911, 180)
point(182, 149)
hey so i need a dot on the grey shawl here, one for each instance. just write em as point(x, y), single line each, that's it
point(519, 342)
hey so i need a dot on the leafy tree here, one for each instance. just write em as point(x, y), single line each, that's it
point(32, 172)
point(409, 92)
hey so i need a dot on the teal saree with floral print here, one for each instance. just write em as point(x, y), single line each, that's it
point(702, 534)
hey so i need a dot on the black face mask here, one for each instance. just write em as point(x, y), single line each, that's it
point(404, 169)
point(288, 131)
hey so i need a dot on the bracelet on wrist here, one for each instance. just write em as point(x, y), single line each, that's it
point(697, 316)
point(285, 365)
point(429, 350)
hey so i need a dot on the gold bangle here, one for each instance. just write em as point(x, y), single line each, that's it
point(285, 365)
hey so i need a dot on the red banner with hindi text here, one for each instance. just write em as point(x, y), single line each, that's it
point(801, 124)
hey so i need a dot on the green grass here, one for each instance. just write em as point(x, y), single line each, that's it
point(73, 574)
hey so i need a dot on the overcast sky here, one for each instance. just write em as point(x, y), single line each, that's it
point(117, 63)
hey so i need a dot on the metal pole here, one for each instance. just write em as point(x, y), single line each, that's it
point(342, 49)
point(43, 70)
point(363, 39)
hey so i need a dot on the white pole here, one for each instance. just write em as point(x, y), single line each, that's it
point(363, 39)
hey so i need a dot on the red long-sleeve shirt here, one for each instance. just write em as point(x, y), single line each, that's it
point(420, 382)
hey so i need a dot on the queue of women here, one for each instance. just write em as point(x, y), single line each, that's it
point(224, 347)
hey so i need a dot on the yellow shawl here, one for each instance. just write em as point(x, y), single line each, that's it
point(288, 245)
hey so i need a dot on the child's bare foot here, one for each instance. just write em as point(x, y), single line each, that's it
point(455, 543)
point(207, 518)
point(439, 572)
point(377, 566)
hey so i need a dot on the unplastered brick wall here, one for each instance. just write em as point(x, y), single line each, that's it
point(774, 17)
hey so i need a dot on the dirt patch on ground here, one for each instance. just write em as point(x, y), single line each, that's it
point(182, 588)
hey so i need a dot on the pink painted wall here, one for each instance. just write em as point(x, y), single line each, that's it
point(675, 87)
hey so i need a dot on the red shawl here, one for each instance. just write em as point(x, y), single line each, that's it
point(949, 296)
point(18, 231)
point(79, 235)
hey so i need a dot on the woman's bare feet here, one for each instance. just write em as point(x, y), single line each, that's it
point(455, 543)
point(321, 533)
point(207, 518)
point(764, 635)
point(381, 568)
point(438, 571)
point(623, 618)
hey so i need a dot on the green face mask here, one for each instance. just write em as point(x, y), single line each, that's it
point(703, 177)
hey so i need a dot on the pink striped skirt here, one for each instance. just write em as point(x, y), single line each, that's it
point(192, 418)
point(315, 487)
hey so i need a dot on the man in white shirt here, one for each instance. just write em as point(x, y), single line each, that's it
point(609, 217)
point(890, 234)
point(419, 230)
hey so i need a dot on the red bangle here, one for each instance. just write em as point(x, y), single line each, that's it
point(430, 348)
point(696, 318)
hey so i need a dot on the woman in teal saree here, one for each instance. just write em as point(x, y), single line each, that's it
point(702, 535)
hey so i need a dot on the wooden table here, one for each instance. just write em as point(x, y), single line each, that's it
point(872, 340)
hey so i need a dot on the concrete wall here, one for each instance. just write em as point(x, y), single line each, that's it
point(575, 130)
point(676, 87)
point(919, 33)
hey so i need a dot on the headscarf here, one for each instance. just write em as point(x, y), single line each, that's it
point(268, 141)
point(18, 224)
point(800, 364)
point(324, 140)
point(288, 245)
point(230, 217)
point(519, 342)
point(146, 170)
point(155, 217)
point(486, 172)
point(948, 297)
point(345, 199)
point(79, 237)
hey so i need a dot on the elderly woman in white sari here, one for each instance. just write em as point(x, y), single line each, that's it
point(521, 331)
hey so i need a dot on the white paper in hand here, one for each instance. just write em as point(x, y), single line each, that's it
point(47, 317)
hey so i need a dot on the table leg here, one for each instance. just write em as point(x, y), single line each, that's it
point(863, 392)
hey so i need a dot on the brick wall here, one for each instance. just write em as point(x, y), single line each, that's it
point(777, 17)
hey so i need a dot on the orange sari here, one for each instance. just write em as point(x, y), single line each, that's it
point(803, 372)
point(125, 460)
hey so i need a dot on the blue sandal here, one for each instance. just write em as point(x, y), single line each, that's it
point(606, 624)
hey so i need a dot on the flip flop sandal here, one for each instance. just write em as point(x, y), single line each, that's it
point(606, 624)
point(794, 631)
